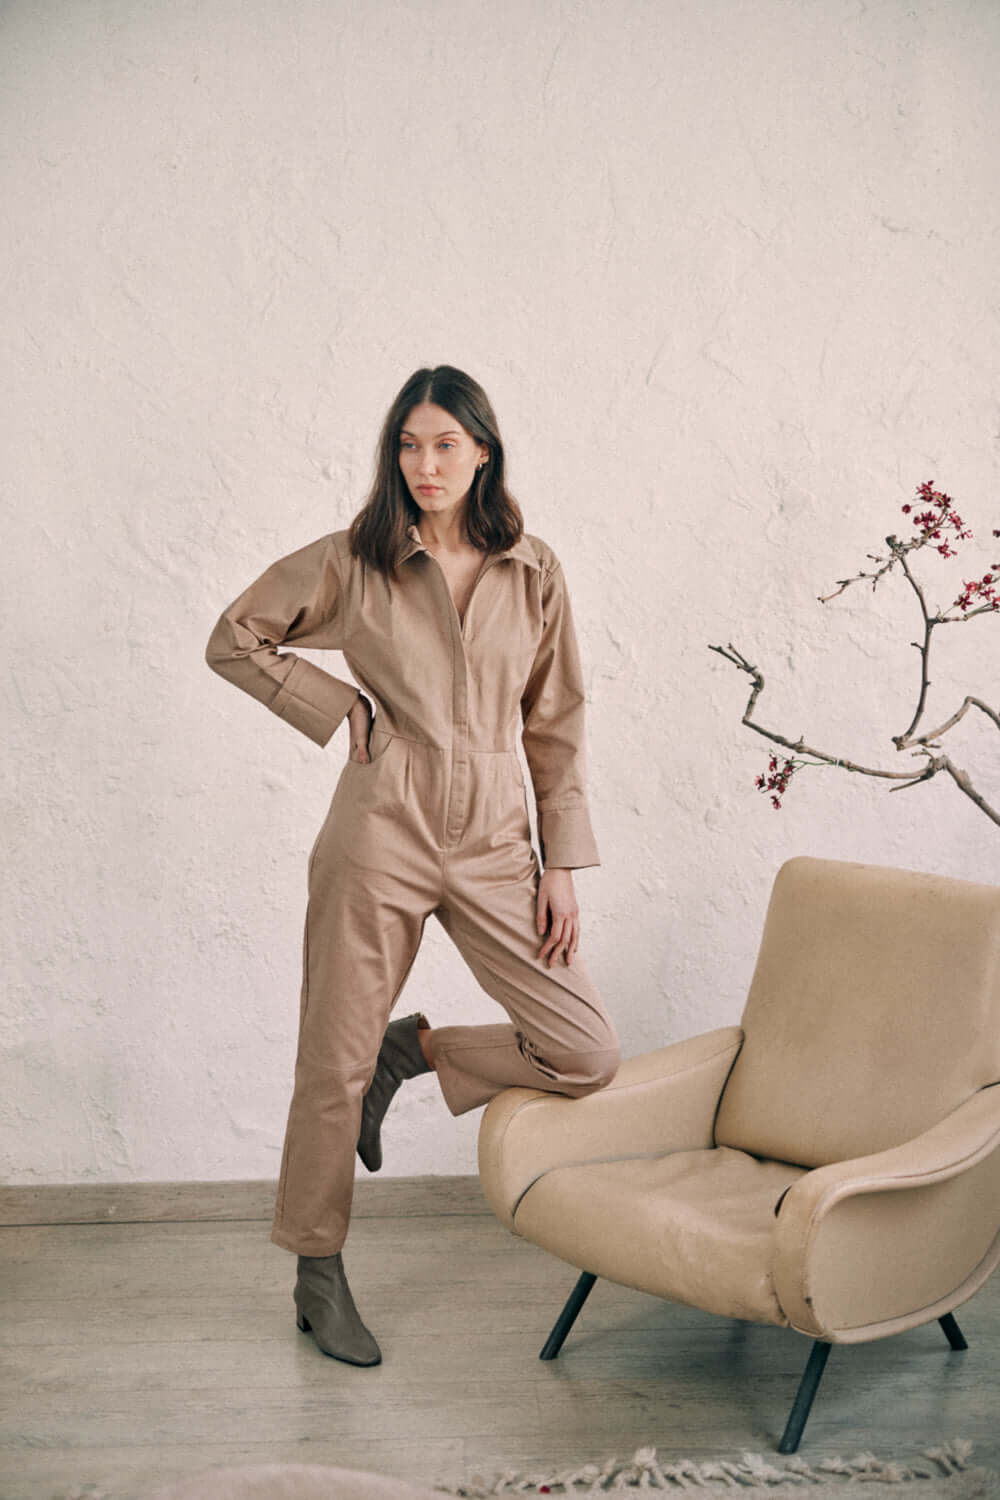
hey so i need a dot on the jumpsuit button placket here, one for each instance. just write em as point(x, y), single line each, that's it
point(458, 798)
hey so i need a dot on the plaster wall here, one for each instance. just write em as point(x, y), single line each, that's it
point(727, 269)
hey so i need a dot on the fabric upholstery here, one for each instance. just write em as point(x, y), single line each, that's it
point(868, 1247)
point(694, 1226)
point(663, 1101)
point(874, 1011)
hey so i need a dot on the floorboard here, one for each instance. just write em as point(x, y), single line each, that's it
point(134, 1353)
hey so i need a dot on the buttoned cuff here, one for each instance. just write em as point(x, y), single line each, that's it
point(314, 701)
point(566, 838)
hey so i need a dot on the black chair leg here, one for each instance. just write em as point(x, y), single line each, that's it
point(568, 1316)
point(952, 1332)
point(808, 1386)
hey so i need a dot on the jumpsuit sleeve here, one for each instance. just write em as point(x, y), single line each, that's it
point(298, 598)
point(552, 707)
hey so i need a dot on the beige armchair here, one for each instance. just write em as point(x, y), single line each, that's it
point(830, 1165)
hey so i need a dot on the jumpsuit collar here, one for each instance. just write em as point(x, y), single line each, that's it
point(521, 549)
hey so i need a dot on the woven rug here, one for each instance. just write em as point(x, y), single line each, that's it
point(942, 1473)
point(946, 1472)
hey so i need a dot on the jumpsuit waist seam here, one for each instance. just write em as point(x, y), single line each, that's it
point(433, 744)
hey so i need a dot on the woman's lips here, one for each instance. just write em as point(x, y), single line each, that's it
point(428, 489)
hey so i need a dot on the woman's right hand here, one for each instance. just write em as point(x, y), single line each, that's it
point(360, 719)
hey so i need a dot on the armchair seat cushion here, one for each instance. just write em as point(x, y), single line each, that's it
point(693, 1226)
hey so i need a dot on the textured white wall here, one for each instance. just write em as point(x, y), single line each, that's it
point(727, 269)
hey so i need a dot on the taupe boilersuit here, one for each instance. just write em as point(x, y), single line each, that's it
point(436, 822)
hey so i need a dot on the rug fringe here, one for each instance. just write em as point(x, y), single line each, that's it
point(644, 1471)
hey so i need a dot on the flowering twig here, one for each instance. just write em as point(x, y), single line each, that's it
point(977, 597)
point(775, 781)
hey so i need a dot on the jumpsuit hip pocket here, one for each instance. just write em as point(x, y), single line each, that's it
point(379, 741)
point(516, 769)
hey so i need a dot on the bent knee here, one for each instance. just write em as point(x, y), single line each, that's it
point(606, 1067)
point(586, 1072)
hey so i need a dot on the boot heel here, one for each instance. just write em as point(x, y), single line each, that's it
point(303, 1323)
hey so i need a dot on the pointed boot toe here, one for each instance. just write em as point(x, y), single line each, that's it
point(325, 1308)
point(354, 1348)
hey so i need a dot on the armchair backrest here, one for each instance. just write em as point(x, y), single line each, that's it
point(873, 1012)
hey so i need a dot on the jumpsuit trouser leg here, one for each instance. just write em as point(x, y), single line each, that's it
point(362, 932)
point(560, 1037)
point(373, 881)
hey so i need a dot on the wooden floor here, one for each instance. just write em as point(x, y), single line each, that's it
point(136, 1353)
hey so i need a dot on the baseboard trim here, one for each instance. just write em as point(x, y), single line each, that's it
point(184, 1202)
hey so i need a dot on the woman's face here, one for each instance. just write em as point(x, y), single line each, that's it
point(438, 457)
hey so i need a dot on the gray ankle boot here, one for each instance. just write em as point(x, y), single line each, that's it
point(400, 1056)
point(326, 1310)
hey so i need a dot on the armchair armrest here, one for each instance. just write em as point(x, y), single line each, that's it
point(868, 1247)
point(659, 1102)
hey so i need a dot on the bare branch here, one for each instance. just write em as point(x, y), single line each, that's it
point(799, 746)
point(898, 549)
point(934, 764)
point(981, 609)
point(961, 780)
point(901, 741)
point(925, 648)
point(938, 525)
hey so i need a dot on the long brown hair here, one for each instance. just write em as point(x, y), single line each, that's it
point(493, 517)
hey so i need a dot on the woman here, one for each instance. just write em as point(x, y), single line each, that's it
point(457, 625)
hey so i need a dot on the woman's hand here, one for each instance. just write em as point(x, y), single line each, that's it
point(360, 719)
point(557, 899)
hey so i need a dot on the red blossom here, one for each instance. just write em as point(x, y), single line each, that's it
point(777, 779)
point(929, 523)
point(981, 592)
